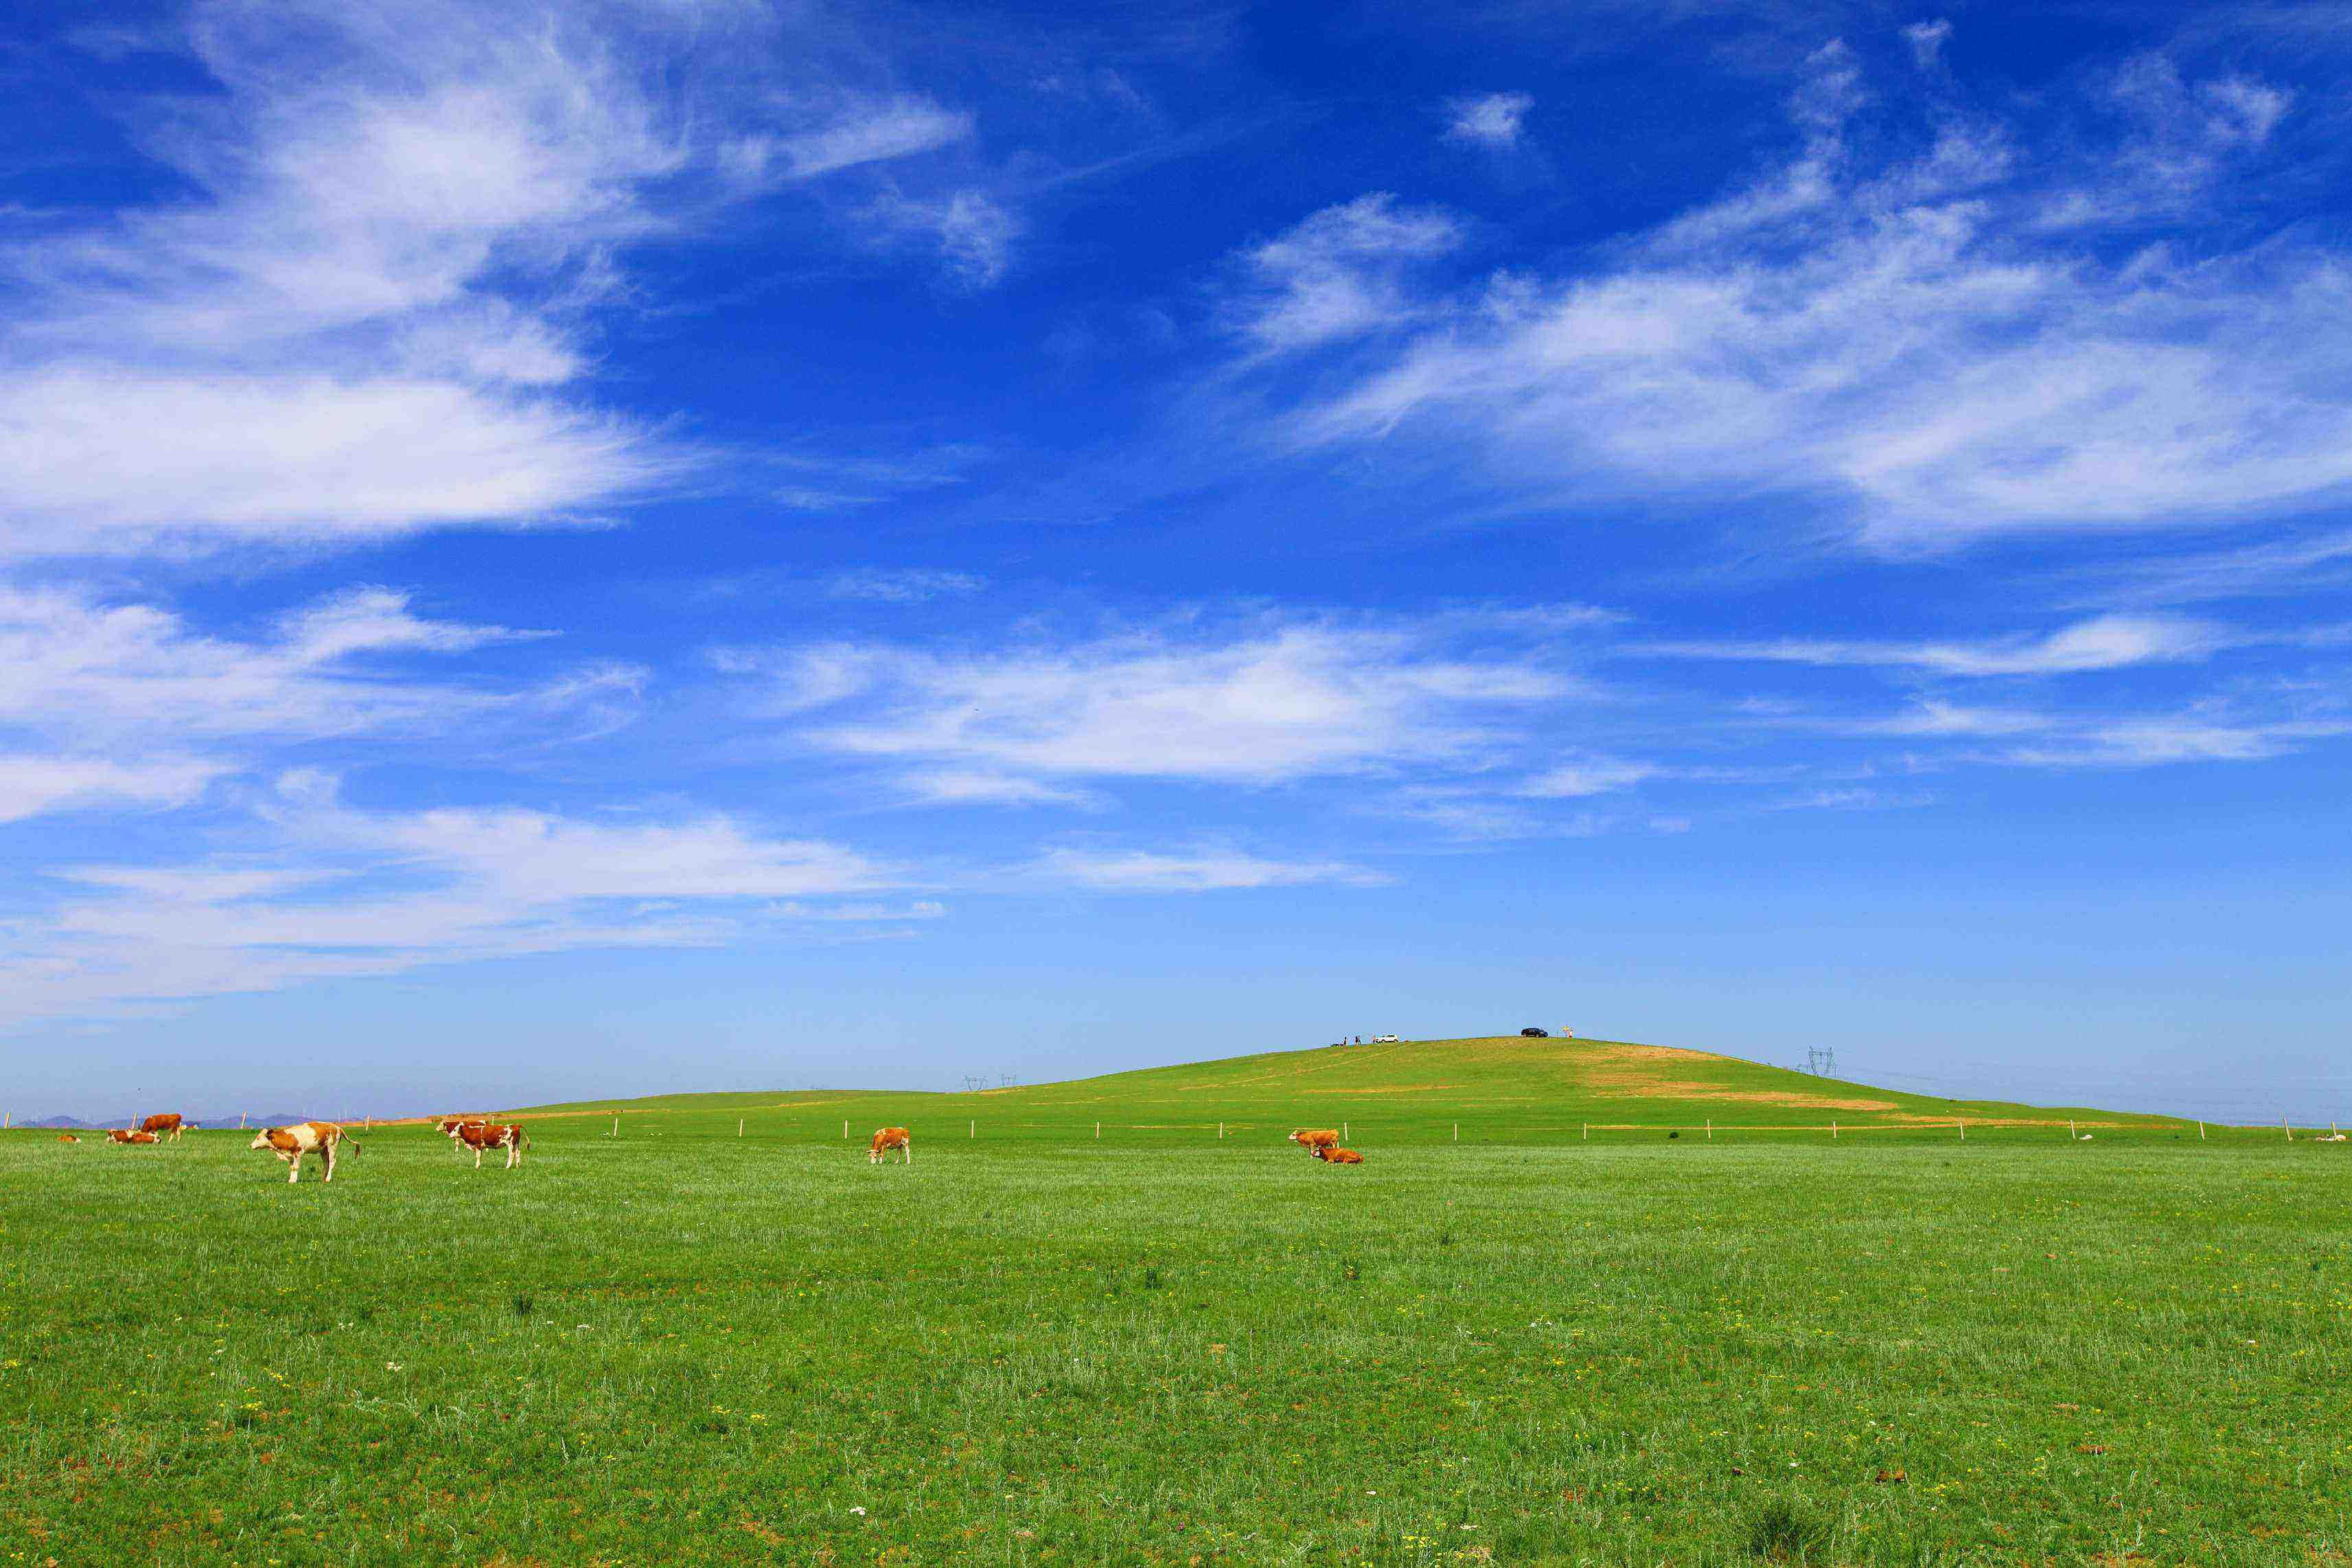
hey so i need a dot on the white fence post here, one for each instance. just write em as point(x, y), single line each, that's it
point(2289, 1131)
point(616, 1128)
point(2201, 1133)
point(1097, 1132)
point(971, 1128)
point(1834, 1132)
point(1964, 1130)
point(1710, 1129)
point(1457, 1132)
point(739, 1127)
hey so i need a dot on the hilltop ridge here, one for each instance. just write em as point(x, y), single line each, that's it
point(1550, 1082)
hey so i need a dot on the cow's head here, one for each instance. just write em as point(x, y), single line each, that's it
point(261, 1138)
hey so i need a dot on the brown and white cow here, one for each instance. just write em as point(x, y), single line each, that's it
point(163, 1124)
point(128, 1135)
point(447, 1127)
point(1315, 1140)
point(887, 1139)
point(291, 1144)
point(68, 1138)
point(1337, 1156)
point(480, 1135)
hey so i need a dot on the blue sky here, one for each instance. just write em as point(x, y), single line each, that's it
point(672, 545)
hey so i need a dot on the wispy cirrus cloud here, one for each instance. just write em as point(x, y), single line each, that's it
point(903, 585)
point(2104, 642)
point(1250, 705)
point(1192, 871)
point(353, 892)
point(1338, 274)
point(1494, 119)
point(371, 305)
point(1958, 339)
point(126, 702)
point(30, 785)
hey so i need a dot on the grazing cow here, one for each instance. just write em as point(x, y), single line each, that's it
point(480, 1135)
point(1313, 1140)
point(291, 1144)
point(887, 1139)
point(128, 1135)
point(1338, 1157)
point(68, 1138)
point(165, 1124)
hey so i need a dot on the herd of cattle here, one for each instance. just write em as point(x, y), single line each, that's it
point(481, 1134)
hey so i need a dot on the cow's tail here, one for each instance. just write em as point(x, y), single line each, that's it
point(354, 1143)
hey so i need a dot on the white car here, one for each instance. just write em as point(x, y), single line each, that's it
point(1385, 1039)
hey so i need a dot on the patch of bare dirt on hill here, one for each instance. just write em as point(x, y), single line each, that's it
point(1669, 1088)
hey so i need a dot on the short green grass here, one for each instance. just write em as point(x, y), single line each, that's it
point(678, 1346)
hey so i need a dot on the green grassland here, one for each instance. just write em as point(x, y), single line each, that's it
point(1506, 1089)
point(1033, 1346)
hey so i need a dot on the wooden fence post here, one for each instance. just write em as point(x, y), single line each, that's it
point(1097, 1132)
point(1964, 1130)
point(616, 1128)
point(1588, 1133)
point(1457, 1132)
point(1834, 1132)
point(739, 1127)
point(1220, 1130)
point(1710, 1129)
point(971, 1128)
point(845, 1127)
point(1343, 1132)
point(2289, 1131)
point(2201, 1133)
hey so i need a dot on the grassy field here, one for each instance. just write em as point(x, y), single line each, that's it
point(680, 1345)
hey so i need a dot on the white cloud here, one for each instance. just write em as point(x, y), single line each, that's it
point(361, 893)
point(869, 132)
point(1338, 274)
point(30, 785)
point(972, 232)
point(1200, 871)
point(2159, 742)
point(1594, 775)
point(371, 308)
point(288, 459)
point(1927, 41)
point(902, 585)
point(1254, 707)
point(964, 786)
point(1491, 120)
point(135, 677)
point(1907, 341)
point(2105, 642)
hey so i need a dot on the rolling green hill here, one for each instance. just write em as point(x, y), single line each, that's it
point(1495, 1089)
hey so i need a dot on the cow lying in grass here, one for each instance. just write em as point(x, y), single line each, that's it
point(291, 1144)
point(1315, 1140)
point(68, 1138)
point(480, 1135)
point(128, 1135)
point(1333, 1155)
point(887, 1139)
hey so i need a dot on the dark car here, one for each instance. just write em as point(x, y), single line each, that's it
point(1537, 1034)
